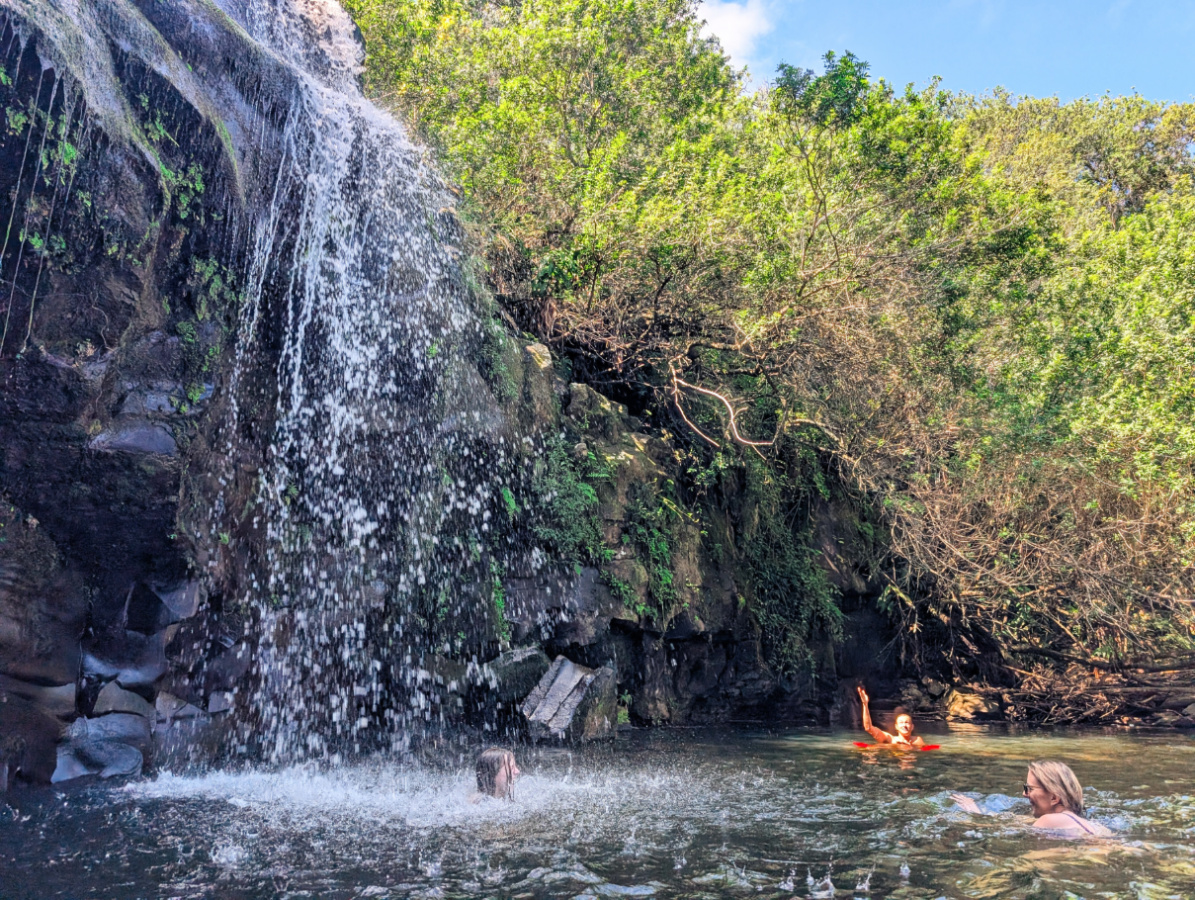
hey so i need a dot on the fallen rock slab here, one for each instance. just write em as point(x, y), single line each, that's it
point(572, 703)
point(126, 728)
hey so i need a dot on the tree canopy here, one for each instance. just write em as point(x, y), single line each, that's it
point(976, 313)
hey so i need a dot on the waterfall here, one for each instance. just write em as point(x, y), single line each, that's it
point(360, 253)
point(333, 456)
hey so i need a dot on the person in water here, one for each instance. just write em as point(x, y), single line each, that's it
point(496, 773)
point(904, 726)
point(1056, 798)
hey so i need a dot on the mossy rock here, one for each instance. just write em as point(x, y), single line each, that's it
point(540, 401)
point(595, 414)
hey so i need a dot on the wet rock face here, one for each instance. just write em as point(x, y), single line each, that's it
point(28, 741)
point(153, 352)
point(125, 167)
point(686, 656)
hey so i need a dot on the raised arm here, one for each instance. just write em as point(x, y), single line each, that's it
point(881, 736)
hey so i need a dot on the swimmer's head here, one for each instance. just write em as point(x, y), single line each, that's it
point(904, 723)
point(1051, 784)
point(496, 772)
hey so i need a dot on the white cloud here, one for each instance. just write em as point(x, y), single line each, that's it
point(737, 25)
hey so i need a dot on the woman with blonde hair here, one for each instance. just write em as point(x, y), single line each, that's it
point(496, 773)
point(1056, 798)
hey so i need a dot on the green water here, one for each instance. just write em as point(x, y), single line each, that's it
point(667, 814)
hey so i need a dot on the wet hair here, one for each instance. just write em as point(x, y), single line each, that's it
point(1058, 779)
point(898, 712)
point(489, 763)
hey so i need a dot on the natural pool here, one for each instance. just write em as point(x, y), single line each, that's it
point(668, 814)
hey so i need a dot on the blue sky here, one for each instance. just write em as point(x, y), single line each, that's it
point(1064, 47)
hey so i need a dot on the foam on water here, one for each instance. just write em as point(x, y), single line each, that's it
point(383, 795)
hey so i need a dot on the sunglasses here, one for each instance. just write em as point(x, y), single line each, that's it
point(1026, 788)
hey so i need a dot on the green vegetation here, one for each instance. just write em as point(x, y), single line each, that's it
point(567, 522)
point(17, 119)
point(973, 315)
point(213, 289)
point(498, 598)
point(650, 531)
point(493, 358)
point(792, 599)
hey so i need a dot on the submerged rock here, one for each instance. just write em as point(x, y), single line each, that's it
point(572, 703)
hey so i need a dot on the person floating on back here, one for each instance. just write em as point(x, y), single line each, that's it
point(496, 773)
point(1056, 798)
point(904, 726)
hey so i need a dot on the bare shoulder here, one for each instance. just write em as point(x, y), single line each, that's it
point(1057, 822)
point(1072, 824)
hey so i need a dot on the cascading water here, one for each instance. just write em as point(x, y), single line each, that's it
point(376, 408)
point(329, 481)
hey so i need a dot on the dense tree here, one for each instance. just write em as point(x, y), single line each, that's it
point(975, 313)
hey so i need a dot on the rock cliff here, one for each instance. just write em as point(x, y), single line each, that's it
point(124, 164)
